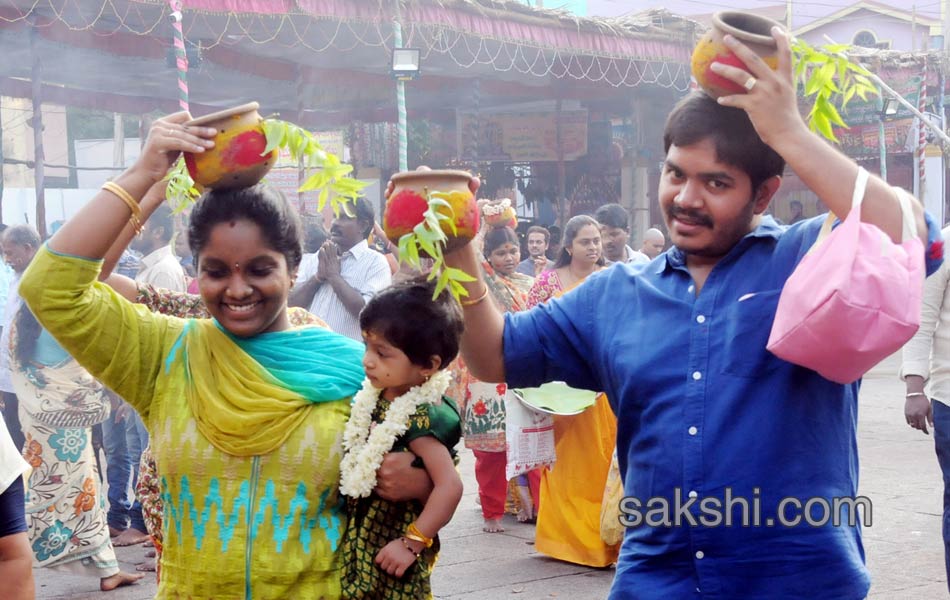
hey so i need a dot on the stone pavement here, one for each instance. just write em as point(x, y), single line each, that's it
point(899, 473)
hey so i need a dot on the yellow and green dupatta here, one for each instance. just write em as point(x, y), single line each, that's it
point(249, 394)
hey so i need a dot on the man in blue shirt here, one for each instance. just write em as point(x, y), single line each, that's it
point(732, 459)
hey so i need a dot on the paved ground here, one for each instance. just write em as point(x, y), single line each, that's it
point(899, 474)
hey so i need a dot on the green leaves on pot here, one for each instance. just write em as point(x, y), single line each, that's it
point(181, 191)
point(332, 177)
point(428, 237)
point(833, 80)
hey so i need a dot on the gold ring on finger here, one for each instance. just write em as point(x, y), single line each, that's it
point(750, 83)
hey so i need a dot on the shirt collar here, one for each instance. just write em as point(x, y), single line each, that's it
point(156, 256)
point(768, 228)
point(358, 250)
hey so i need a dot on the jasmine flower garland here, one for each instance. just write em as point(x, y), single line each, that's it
point(497, 208)
point(365, 445)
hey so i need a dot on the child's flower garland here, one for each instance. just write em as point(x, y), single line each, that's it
point(364, 444)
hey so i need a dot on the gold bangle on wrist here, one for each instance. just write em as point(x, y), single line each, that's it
point(468, 303)
point(118, 190)
point(413, 533)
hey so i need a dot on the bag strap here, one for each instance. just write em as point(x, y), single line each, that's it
point(907, 213)
point(860, 185)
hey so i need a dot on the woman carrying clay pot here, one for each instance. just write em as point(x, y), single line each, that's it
point(246, 412)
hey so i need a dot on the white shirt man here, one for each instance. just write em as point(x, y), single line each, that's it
point(633, 257)
point(345, 275)
point(161, 269)
point(365, 270)
point(926, 375)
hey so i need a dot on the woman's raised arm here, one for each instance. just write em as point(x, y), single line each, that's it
point(100, 222)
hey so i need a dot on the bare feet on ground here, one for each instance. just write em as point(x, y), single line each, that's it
point(146, 567)
point(107, 584)
point(525, 516)
point(493, 526)
point(150, 553)
point(114, 532)
point(130, 537)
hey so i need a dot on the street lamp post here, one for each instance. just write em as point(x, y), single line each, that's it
point(405, 67)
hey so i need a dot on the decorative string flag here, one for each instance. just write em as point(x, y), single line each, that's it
point(181, 56)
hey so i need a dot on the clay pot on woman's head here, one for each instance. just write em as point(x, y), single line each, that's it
point(752, 30)
point(236, 160)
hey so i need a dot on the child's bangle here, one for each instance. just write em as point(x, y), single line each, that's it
point(413, 533)
point(405, 543)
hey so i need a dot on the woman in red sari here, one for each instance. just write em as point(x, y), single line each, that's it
point(483, 407)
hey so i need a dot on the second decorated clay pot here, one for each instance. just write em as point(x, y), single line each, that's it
point(409, 200)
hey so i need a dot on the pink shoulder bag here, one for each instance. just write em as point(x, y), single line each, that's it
point(855, 297)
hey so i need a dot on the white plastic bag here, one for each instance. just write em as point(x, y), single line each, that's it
point(529, 437)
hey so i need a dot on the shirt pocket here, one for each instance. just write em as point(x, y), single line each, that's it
point(748, 323)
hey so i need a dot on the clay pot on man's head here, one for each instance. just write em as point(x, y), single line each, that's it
point(752, 30)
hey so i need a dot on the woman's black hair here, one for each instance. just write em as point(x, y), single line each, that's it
point(27, 332)
point(573, 227)
point(408, 318)
point(262, 205)
point(499, 236)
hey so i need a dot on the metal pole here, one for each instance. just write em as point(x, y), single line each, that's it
point(401, 99)
point(38, 154)
point(922, 141)
point(561, 171)
point(181, 56)
point(923, 119)
point(301, 167)
point(788, 16)
point(913, 29)
point(882, 143)
point(118, 141)
point(1, 158)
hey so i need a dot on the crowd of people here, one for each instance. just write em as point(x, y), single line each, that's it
point(289, 427)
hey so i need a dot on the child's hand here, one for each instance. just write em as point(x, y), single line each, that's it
point(395, 557)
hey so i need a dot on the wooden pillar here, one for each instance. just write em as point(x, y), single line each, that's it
point(38, 154)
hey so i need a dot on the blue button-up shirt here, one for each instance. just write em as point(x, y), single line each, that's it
point(704, 410)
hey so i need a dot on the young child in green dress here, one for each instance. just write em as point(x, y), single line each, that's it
point(390, 548)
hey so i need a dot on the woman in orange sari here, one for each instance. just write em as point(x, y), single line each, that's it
point(571, 491)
